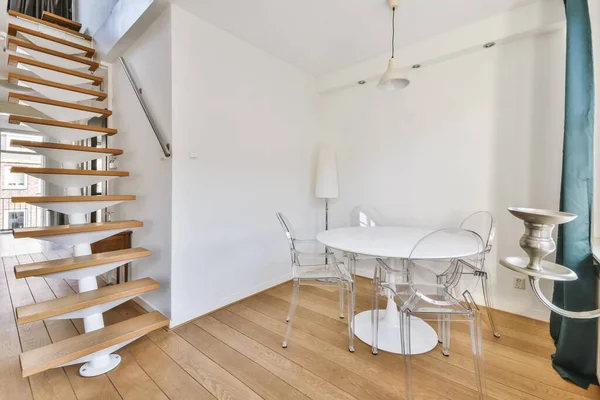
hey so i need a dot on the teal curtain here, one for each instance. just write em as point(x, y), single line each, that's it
point(576, 340)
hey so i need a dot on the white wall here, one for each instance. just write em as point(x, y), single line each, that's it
point(250, 119)
point(479, 132)
point(92, 14)
point(149, 59)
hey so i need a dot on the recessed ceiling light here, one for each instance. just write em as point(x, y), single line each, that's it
point(488, 45)
point(361, 82)
point(415, 66)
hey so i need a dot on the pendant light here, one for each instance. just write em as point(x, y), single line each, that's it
point(393, 78)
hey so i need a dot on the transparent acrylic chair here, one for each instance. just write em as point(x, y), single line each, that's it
point(481, 222)
point(429, 300)
point(363, 217)
point(463, 274)
point(317, 269)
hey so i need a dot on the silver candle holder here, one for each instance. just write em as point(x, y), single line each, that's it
point(538, 243)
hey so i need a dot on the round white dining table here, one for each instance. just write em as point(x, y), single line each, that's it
point(395, 243)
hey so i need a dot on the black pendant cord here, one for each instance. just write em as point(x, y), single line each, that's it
point(393, 30)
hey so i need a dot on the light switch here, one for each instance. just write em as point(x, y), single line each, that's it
point(193, 154)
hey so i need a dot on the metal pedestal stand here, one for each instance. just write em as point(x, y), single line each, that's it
point(537, 242)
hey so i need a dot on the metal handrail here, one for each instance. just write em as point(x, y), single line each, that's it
point(166, 147)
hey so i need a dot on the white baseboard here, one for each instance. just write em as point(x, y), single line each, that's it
point(110, 279)
point(144, 304)
point(228, 300)
point(365, 272)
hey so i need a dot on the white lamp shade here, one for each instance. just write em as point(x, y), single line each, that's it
point(326, 186)
point(393, 78)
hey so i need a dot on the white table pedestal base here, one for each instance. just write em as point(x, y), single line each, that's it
point(422, 336)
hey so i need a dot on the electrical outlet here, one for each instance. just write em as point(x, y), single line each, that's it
point(519, 283)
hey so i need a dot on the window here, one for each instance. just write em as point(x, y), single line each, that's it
point(8, 137)
point(14, 219)
point(14, 181)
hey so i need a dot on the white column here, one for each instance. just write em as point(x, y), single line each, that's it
point(93, 322)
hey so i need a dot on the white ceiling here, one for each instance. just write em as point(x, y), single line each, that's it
point(320, 36)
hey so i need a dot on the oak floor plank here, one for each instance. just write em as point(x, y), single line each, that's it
point(535, 355)
point(51, 384)
point(388, 376)
point(132, 382)
point(541, 383)
point(343, 375)
point(220, 383)
point(264, 383)
point(12, 384)
point(512, 379)
point(334, 324)
point(166, 373)
point(499, 391)
point(496, 387)
point(305, 381)
point(310, 301)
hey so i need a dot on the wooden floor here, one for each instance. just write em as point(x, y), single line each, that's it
point(236, 353)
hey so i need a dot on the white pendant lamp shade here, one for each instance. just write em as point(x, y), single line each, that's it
point(393, 78)
point(326, 186)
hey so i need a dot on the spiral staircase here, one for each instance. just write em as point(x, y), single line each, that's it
point(53, 58)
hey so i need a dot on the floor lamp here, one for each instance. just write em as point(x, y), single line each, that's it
point(326, 186)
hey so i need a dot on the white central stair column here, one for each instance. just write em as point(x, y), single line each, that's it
point(79, 218)
point(103, 362)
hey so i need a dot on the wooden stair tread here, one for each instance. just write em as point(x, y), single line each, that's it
point(62, 21)
point(59, 353)
point(48, 18)
point(61, 146)
point(22, 118)
point(79, 301)
point(76, 228)
point(63, 171)
point(13, 43)
point(72, 263)
point(16, 78)
point(15, 97)
point(69, 199)
point(13, 29)
point(13, 60)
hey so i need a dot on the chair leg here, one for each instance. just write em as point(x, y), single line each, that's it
point(440, 322)
point(351, 316)
point(292, 312)
point(487, 297)
point(477, 349)
point(446, 335)
point(374, 315)
point(406, 349)
point(341, 289)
